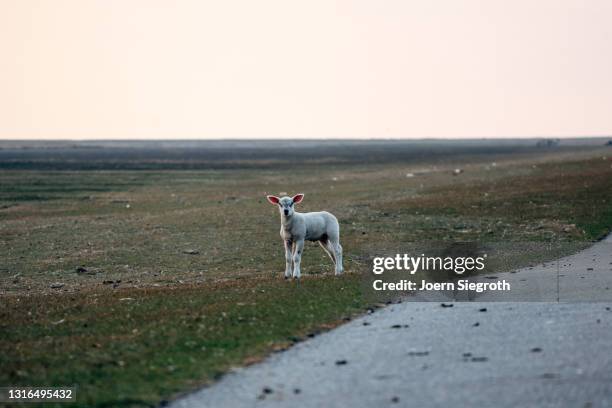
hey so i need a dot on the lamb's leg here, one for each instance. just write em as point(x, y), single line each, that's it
point(331, 248)
point(288, 258)
point(298, 248)
point(324, 244)
point(337, 250)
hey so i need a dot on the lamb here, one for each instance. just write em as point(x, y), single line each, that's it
point(313, 226)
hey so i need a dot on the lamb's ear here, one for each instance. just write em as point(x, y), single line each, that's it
point(298, 198)
point(273, 199)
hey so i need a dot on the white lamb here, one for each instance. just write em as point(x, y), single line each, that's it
point(313, 226)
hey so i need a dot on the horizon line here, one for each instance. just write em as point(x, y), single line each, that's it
point(202, 139)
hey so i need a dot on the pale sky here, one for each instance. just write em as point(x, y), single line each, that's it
point(103, 69)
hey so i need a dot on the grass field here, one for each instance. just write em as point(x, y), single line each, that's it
point(142, 274)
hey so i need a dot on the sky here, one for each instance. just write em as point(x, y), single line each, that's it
point(128, 69)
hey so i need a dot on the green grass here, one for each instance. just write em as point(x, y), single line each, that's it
point(161, 341)
point(191, 317)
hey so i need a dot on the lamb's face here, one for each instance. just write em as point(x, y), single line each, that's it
point(286, 206)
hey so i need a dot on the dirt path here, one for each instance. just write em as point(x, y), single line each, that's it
point(502, 354)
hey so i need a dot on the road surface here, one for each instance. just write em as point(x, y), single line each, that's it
point(470, 354)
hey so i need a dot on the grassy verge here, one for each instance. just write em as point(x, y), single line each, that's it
point(181, 275)
point(136, 347)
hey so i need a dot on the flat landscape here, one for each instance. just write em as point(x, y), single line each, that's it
point(142, 270)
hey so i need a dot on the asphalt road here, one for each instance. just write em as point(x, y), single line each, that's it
point(462, 354)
